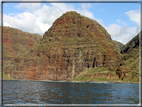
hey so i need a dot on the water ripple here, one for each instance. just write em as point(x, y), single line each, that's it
point(32, 92)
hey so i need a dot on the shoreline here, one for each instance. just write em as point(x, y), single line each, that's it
point(79, 81)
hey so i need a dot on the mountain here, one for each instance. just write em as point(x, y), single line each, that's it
point(15, 43)
point(118, 45)
point(72, 44)
point(130, 59)
point(131, 44)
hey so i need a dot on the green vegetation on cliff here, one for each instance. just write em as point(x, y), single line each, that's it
point(118, 45)
point(74, 48)
point(16, 42)
point(129, 61)
point(5, 76)
point(134, 43)
point(96, 74)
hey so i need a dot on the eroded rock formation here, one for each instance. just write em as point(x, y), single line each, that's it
point(121, 71)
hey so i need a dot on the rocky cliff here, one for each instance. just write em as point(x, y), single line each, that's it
point(72, 44)
point(134, 43)
point(127, 71)
point(118, 45)
point(130, 59)
point(16, 43)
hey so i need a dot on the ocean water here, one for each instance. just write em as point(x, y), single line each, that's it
point(39, 92)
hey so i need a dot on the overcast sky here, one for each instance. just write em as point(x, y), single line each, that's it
point(121, 20)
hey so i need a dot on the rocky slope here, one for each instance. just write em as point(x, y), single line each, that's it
point(134, 43)
point(128, 70)
point(72, 44)
point(16, 43)
point(130, 59)
point(118, 45)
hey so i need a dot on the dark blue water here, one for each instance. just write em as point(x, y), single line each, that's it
point(35, 92)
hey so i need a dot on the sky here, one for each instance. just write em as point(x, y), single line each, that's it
point(121, 20)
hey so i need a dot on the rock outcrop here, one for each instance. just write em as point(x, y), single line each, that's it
point(121, 71)
point(72, 44)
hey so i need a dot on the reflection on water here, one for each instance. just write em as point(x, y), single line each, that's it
point(28, 92)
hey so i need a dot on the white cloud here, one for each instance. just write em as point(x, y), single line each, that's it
point(25, 21)
point(40, 19)
point(28, 6)
point(121, 22)
point(86, 13)
point(125, 33)
point(6, 24)
point(121, 34)
point(49, 14)
point(134, 15)
point(113, 29)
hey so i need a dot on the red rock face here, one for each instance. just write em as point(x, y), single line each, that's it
point(72, 44)
point(15, 41)
point(7, 38)
point(7, 42)
point(116, 44)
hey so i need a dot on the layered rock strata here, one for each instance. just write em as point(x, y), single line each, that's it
point(73, 43)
